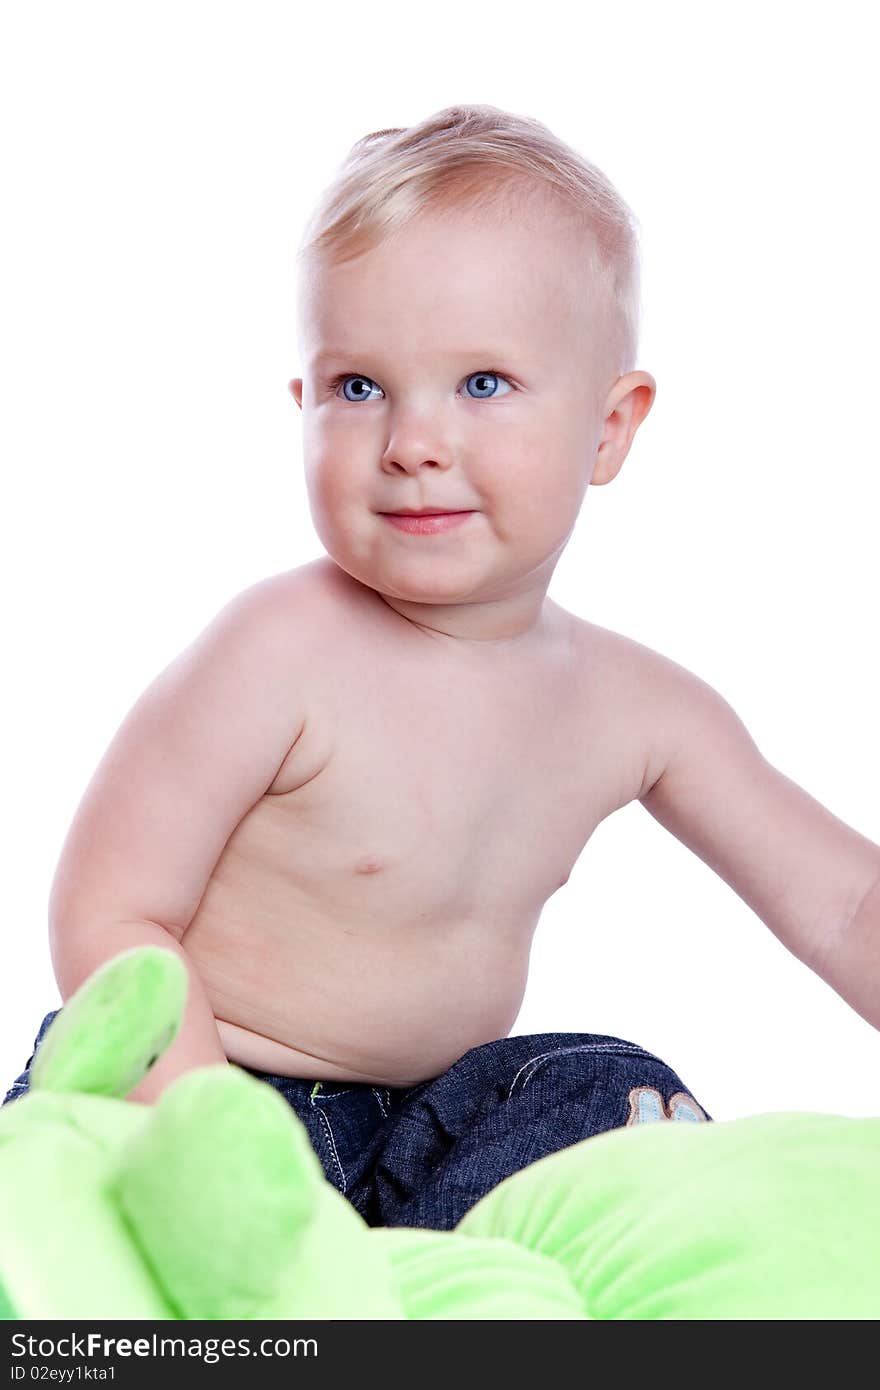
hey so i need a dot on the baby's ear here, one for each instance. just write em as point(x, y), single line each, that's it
point(295, 388)
point(629, 401)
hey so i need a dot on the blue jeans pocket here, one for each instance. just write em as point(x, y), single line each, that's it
point(610, 1047)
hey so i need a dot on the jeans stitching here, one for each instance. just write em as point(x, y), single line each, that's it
point(630, 1050)
point(379, 1102)
point(625, 1050)
point(332, 1145)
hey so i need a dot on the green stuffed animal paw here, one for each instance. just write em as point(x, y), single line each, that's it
point(109, 1034)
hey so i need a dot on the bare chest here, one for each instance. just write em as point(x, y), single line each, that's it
point(372, 915)
point(424, 792)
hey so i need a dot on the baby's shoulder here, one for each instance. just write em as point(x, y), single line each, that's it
point(609, 655)
point(639, 689)
point(302, 599)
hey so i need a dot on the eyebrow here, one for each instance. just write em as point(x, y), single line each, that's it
point(332, 355)
point(483, 354)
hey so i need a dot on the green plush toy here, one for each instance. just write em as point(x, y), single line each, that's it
point(212, 1204)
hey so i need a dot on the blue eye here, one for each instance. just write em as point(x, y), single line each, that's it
point(486, 386)
point(486, 381)
point(360, 395)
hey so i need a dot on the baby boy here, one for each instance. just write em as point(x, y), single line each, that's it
point(345, 804)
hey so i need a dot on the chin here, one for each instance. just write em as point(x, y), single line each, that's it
point(426, 584)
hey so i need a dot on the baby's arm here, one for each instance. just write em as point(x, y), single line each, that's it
point(810, 877)
point(193, 755)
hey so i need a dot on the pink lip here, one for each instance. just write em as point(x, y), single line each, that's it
point(427, 523)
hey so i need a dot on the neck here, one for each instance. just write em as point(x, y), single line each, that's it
point(499, 623)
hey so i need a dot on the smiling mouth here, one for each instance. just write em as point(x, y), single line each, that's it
point(426, 523)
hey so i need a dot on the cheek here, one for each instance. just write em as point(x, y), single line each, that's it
point(541, 485)
point(326, 506)
point(543, 509)
point(330, 476)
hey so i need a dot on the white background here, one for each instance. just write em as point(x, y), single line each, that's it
point(159, 163)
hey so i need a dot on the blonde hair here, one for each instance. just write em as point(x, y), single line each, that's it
point(482, 157)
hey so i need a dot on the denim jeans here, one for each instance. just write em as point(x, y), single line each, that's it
point(424, 1155)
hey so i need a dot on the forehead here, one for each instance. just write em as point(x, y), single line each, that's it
point(456, 281)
